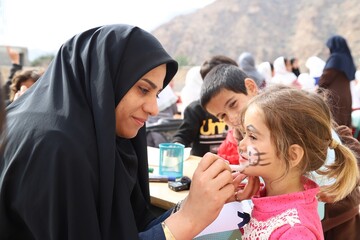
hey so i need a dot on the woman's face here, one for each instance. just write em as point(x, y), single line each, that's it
point(139, 102)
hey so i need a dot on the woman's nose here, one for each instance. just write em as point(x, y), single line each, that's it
point(151, 107)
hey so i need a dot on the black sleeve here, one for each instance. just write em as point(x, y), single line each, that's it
point(189, 129)
point(154, 229)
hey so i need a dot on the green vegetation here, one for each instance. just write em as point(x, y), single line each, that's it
point(42, 61)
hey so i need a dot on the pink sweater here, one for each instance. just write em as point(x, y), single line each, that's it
point(289, 216)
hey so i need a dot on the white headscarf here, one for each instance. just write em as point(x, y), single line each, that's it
point(315, 65)
point(264, 69)
point(281, 74)
point(247, 63)
point(307, 82)
point(355, 90)
point(191, 90)
point(166, 98)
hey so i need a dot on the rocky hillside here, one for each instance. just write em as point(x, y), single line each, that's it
point(267, 29)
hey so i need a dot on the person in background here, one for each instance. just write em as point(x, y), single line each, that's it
point(316, 67)
point(283, 146)
point(283, 73)
point(231, 83)
point(200, 130)
point(295, 66)
point(75, 163)
point(191, 90)
point(22, 81)
point(246, 63)
point(222, 96)
point(267, 70)
point(355, 114)
point(167, 104)
point(339, 70)
point(15, 66)
point(2, 123)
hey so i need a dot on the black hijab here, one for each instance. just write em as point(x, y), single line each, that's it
point(340, 57)
point(65, 173)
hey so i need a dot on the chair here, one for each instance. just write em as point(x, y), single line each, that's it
point(161, 131)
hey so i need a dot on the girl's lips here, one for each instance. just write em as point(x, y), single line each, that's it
point(242, 159)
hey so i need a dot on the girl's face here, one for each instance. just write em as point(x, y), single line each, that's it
point(139, 102)
point(227, 105)
point(256, 150)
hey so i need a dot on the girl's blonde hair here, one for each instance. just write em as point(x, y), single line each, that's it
point(299, 117)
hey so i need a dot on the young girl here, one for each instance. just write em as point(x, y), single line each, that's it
point(286, 136)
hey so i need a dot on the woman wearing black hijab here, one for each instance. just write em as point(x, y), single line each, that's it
point(75, 163)
point(339, 70)
point(341, 218)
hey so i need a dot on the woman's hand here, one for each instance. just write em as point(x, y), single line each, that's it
point(211, 187)
point(244, 190)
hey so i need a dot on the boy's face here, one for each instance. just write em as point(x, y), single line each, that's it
point(227, 105)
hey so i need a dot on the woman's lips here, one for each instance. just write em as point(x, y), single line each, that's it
point(140, 121)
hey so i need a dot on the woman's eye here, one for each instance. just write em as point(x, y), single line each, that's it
point(157, 95)
point(143, 90)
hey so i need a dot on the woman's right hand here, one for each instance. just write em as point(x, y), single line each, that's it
point(211, 187)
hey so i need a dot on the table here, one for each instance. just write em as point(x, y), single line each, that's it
point(160, 194)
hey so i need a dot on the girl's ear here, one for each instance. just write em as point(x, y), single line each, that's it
point(251, 87)
point(296, 154)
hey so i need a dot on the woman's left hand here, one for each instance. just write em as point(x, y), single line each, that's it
point(244, 190)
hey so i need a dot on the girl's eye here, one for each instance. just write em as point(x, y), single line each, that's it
point(252, 137)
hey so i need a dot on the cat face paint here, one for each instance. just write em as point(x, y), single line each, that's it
point(252, 157)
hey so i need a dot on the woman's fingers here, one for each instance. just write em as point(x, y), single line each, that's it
point(249, 190)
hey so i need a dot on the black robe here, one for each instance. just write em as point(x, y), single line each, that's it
point(65, 174)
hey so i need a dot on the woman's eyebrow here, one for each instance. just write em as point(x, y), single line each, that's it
point(152, 85)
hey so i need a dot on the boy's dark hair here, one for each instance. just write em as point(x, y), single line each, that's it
point(214, 61)
point(223, 76)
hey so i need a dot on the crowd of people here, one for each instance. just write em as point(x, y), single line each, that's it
point(74, 147)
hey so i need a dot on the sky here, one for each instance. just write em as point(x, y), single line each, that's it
point(43, 25)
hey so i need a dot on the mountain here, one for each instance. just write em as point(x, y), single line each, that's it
point(268, 29)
